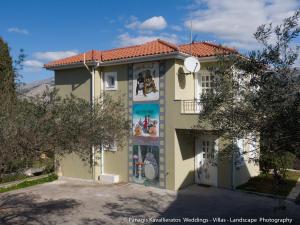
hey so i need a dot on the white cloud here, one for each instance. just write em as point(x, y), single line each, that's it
point(235, 21)
point(33, 65)
point(36, 63)
point(153, 23)
point(126, 39)
point(18, 30)
point(176, 28)
point(50, 56)
point(133, 23)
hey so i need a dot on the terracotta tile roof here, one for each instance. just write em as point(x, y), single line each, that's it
point(205, 49)
point(199, 49)
point(93, 55)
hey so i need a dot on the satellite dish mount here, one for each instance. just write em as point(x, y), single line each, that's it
point(191, 63)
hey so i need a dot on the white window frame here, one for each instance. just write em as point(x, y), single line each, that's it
point(199, 83)
point(106, 84)
point(112, 148)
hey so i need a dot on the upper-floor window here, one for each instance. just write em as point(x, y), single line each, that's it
point(204, 84)
point(110, 81)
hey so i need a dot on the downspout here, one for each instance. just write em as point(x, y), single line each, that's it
point(233, 167)
point(92, 72)
point(93, 99)
point(101, 147)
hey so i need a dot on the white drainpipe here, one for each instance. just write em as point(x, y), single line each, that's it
point(101, 147)
point(92, 100)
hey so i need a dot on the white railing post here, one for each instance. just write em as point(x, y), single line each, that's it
point(190, 106)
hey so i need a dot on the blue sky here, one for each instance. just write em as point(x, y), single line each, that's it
point(48, 30)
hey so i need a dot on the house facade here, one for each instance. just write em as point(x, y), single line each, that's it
point(163, 148)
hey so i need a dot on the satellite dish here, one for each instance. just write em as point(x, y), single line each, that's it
point(192, 64)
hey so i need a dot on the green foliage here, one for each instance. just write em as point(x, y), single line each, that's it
point(52, 125)
point(50, 178)
point(7, 83)
point(259, 94)
point(10, 178)
point(266, 184)
point(268, 162)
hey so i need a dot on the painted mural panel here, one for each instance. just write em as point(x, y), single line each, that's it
point(145, 163)
point(145, 125)
point(146, 81)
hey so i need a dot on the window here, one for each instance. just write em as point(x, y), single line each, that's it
point(204, 84)
point(110, 147)
point(110, 80)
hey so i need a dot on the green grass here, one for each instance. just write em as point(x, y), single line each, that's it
point(10, 178)
point(266, 184)
point(28, 183)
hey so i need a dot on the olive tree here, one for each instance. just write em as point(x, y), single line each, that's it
point(259, 94)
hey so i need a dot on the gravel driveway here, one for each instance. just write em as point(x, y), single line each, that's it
point(75, 202)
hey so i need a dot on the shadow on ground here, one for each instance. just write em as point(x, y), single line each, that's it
point(200, 202)
point(93, 204)
point(24, 208)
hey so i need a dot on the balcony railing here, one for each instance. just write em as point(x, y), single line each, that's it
point(190, 106)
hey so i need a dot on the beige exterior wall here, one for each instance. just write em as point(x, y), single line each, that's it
point(78, 82)
point(224, 164)
point(184, 159)
point(249, 169)
point(116, 162)
point(179, 146)
point(184, 84)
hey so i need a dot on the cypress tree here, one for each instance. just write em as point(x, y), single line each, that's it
point(7, 74)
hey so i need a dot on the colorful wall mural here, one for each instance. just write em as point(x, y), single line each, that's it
point(145, 119)
point(145, 146)
point(145, 163)
point(146, 81)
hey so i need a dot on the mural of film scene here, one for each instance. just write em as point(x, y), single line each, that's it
point(146, 114)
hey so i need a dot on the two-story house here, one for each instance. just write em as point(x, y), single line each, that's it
point(163, 148)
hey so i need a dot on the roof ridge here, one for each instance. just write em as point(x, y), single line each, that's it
point(169, 44)
point(156, 46)
point(219, 46)
point(131, 46)
point(194, 42)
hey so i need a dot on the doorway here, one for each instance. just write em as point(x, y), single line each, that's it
point(206, 169)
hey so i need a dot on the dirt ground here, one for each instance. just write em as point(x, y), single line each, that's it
point(76, 202)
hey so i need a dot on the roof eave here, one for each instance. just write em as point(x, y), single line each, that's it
point(138, 59)
point(175, 55)
point(72, 65)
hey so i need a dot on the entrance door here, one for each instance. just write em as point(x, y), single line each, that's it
point(206, 170)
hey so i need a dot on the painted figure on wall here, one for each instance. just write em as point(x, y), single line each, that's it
point(146, 81)
point(145, 161)
point(145, 120)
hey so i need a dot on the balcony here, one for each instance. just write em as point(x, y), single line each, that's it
point(190, 106)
